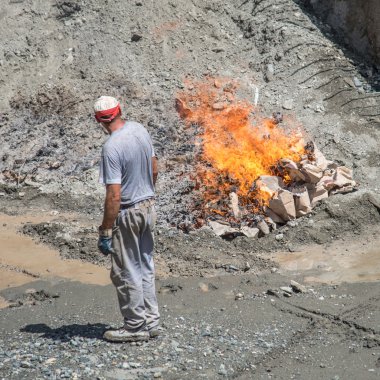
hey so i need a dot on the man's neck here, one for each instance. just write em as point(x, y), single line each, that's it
point(116, 125)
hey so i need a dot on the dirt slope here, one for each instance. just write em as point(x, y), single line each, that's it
point(57, 56)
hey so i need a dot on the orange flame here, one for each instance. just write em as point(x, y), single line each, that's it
point(236, 146)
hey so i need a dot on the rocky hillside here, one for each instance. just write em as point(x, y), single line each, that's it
point(57, 56)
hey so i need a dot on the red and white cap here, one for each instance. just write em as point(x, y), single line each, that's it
point(106, 109)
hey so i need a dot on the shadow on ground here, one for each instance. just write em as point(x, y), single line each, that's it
point(67, 332)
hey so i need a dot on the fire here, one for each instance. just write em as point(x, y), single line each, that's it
point(236, 146)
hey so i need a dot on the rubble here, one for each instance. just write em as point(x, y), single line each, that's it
point(298, 288)
point(223, 230)
point(250, 232)
point(263, 227)
point(260, 173)
point(282, 204)
point(312, 179)
point(235, 205)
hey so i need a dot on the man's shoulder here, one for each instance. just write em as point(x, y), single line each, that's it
point(134, 126)
point(110, 146)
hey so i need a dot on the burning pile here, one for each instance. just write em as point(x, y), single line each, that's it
point(252, 172)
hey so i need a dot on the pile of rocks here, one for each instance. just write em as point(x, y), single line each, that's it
point(292, 195)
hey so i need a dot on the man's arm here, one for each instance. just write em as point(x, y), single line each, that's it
point(111, 205)
point(154, 169)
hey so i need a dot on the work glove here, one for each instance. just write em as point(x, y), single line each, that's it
point(105, 245)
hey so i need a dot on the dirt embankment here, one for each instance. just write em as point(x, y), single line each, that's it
point(55, 61)
point(356, 22)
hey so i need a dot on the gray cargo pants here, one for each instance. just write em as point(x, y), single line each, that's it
point(132, 270)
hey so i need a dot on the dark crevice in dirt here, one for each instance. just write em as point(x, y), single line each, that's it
point(317, 321)
point(336, 319)
point(368, 305)
point(295, 340)
point(361, 62)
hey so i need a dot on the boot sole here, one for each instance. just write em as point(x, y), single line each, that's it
point(126, 339)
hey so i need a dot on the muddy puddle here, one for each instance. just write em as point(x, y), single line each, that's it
point(342, 261)
point(22, 260)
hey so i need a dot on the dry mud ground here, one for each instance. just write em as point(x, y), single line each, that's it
point(223, 312)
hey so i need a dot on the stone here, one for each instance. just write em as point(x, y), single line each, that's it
point(288, 104)
point(283, 205)
point(343, 177)
point(206, 332)
point(234, 204)
point(279, 237)
point(302, 201)
point(219, 106)
point(26, 364)
point(239, 296)
point(218, 49)
point(136, 37)
point(316, 193)
point(55, 165)
point(250, 232)
point(357, 82)
point(263, 227)
point(222, 229)
point(312, 173)
point(273, 216)
point(272, 292)
point(222, 370)
point(269, 183)
point(69, 59)
point(286, 289)
point(298, 288)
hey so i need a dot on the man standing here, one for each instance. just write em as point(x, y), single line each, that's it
point(129, 171)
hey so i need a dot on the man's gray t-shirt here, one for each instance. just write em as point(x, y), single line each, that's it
point(127, 160)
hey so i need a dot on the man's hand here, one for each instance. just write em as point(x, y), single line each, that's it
point(105, 245)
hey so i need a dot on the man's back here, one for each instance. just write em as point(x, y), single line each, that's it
point(127, 160)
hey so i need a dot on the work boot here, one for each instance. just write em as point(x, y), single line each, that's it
point(123, 335)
